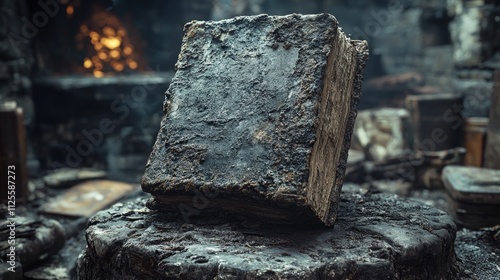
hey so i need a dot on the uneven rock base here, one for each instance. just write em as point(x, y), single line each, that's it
point(376, 237)
point(479, 253)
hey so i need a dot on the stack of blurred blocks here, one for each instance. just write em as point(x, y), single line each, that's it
point(474, 195)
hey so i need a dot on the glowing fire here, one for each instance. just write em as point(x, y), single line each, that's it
point(109, 46)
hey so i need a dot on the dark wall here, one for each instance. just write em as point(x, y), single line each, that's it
point(109, 123)
point(16, 62)
point(16, 57)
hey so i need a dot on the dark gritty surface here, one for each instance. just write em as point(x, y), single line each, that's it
point(61, 265)
point(254, 99)
point(479, 252)
point(37, 248)
point(376, 237)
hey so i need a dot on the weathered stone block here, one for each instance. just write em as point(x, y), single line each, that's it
point(259, 118)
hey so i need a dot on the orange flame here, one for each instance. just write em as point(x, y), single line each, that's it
point(109, 46)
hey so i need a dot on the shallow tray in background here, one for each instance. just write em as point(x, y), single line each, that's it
point(86, 199)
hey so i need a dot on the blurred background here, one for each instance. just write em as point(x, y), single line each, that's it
point(72, 64)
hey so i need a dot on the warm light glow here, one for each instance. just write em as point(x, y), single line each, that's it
point(132, 65)
point(121, 32)
point(87, 63)
point(111, 43)
point(102, 55)
point(70, 10)
point(118, 67)
point(127, 50)
point(114, 54)
point(108, 31)
point(108, 45)
point(98, 74)
point(98, 46)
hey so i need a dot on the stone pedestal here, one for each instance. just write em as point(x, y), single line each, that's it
point(375, 237)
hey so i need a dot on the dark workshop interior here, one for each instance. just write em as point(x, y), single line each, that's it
point(235, 180)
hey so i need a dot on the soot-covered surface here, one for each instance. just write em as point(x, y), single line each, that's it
point(260, 110)
point(376, 237)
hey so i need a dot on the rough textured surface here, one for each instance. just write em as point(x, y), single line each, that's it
point(260, 112)
point(62, 265)
point(36, 239)
point(479, 252)
point(376, 237)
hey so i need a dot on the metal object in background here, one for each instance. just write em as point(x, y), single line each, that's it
point(86, 199)
point(13, 151)
point(474, 140)
point(492, 152)
point(437, 121)
point(429, 174)
point(397, 168)
point(474, 195)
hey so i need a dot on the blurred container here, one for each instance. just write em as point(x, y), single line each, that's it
point(13, 151)
point(473, 195)
point(437, 121)
point(492, 149)
point(475, 140)
point(429, 173)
